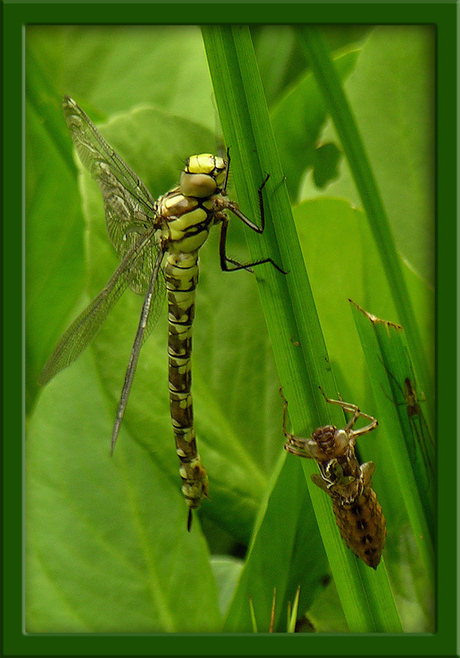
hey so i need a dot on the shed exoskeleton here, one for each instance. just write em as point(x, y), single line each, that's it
point(357, 511)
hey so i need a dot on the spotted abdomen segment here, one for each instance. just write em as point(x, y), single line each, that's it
point(362, 526)
point(181, 275)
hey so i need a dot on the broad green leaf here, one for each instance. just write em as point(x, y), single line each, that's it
point(117, 67)
point(338, 250)
point(297, 139)
point(282, 62)
point(279, 59)
point(366, 183)
point(107, 548)
point(326, 615)
point(396, 120)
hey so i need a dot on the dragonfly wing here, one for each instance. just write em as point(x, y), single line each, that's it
point(85, 327)
point(145, 323)
point(129, 206)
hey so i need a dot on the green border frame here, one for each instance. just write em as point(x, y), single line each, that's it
point(15, 642)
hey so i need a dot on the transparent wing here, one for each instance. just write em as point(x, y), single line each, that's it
point(145, 325)
point(85, 327)
point(129, 206)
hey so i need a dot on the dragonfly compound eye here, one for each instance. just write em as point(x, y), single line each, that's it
point(197, 185)
point(201, 164)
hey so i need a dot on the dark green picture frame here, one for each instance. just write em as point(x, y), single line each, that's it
point(15, 642)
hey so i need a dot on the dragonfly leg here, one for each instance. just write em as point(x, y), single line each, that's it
point(346, 406)
point(287, 434)
point(321, 483)
point(233, 207)
point(222, 203)
point(368, 428)
point(296, 445)
point(227, 172)
point(225, 260)
point(352, 408)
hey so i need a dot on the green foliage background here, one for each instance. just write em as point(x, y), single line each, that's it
point(107, 549)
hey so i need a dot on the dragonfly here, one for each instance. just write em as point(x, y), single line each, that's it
point(158, 241)
point(357, 511)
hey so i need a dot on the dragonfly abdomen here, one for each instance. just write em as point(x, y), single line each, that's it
point(362, 526)
point(181, 276)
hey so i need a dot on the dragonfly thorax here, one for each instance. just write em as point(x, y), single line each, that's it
point(203, 176)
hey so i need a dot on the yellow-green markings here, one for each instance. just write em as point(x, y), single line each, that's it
point(158, 243)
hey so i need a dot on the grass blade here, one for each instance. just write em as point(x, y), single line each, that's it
point(386, 353)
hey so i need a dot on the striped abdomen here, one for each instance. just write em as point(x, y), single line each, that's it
point(181, 275)
point(188, 222)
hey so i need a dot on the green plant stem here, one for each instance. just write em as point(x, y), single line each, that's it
point(290, 311)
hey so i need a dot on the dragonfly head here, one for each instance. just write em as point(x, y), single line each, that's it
point(328, 442)
point(203, 175)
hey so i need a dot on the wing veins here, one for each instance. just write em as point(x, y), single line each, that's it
point(87, 324)
point(94, 149)
point(137, 345)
